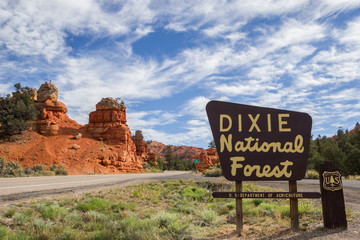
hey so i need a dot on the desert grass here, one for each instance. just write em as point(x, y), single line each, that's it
point(179, 209)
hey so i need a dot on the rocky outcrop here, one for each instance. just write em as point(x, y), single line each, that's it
point(46, 91)
point(186, 153)
point(207, 159)
point(141, 146)
point(52, 113)
point(108, 123)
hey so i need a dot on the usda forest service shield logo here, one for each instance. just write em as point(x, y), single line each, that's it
point(332, 181)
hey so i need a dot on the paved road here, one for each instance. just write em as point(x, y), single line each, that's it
point(12, 189)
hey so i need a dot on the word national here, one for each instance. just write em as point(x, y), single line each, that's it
point(251, 144)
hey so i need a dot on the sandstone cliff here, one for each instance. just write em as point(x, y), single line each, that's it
point(186, 153)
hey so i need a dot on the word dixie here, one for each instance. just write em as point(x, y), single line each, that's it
point(281, 117)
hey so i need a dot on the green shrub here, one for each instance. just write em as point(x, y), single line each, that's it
point(208, 217)
point(171, 225)
point(184, 207)
point(28, 171)
point(10, 169)
point(284, 210)
point(39, 168)
point(258, 201)
point(93, 203)
point(214, 171)
point(195, 193)
point(52, 212)
point(312, 174)
point(58, 169)
point(10, 213)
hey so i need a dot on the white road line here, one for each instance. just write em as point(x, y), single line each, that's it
point(49, 184)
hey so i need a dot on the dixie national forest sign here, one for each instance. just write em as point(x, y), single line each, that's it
point(259, 144)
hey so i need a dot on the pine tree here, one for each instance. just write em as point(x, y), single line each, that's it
point(16, 112)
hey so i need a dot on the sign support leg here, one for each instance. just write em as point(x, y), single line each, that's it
point(332, 197)
point(239, 211)
point(294, 211)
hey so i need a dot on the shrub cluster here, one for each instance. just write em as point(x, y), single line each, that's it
point(10, 169)
point(58, 169)
point(214, 171)
point(13, 169)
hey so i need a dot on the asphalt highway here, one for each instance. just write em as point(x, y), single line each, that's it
point(12, 189)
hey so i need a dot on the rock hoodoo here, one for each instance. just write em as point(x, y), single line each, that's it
point(47, 91)
point(108, 123)
point(207, 159)
point(52, 113)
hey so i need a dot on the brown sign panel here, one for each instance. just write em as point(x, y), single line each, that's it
point(257, 143)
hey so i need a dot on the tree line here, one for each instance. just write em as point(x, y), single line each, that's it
point(172, 163)
point(343, 150)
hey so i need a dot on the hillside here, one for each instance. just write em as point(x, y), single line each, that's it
point(187, 153)
point(104, 145)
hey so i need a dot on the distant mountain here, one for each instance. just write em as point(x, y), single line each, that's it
point(187, 153)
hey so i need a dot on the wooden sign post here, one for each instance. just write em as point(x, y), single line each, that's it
point(294, 210)
point(260, 144)
point(332, 197)
point(239, 220)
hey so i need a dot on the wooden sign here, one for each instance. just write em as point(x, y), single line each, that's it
point(332, 197)
point(257, 143)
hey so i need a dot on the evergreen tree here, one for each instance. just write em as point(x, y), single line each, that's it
point(16, 112)
point(169, 158)
point(212, 144)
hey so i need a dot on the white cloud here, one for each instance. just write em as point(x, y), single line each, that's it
point(272, 53)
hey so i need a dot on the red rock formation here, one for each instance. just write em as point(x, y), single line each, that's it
point(104, 145)
point(186, 153)
point(141, 146)
point(207, 159)
point(108, 123)
point(52, 113)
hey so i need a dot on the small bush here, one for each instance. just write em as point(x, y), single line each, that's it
point(52, 212)
point(10, 213)
point(94, 204)
point(214, 171)
point(258, 201)
point(312, 174)
point(10, 169)
point(39, 169)
point(58, 169)
point(28, 171)
point(208, 217)
point(195, 193)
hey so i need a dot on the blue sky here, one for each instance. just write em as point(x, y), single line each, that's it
point(167, 59)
